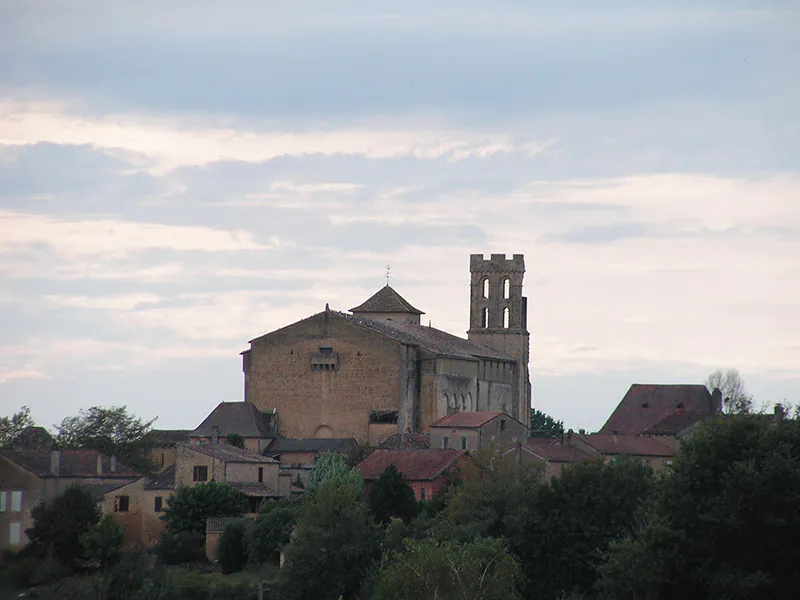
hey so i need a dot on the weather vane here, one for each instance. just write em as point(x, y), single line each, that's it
point(388, 273)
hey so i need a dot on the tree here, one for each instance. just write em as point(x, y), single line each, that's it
point(102, 543)
point(570, 520)
point(111, 431)
point(723, 524)
point(189, 506)
point(11, 427)
point(391, 496)
point(734, 394)
point(58, 524)
point(333, 547)
point(333, 467)
point(543, 425)
point(232, 548)
point(480, 569)
point(235, 440)
point(270, 532)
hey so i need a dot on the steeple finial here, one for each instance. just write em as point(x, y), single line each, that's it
point(388, 273)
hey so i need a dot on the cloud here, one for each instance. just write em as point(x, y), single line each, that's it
point(23, 373)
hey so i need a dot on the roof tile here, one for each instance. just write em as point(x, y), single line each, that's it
point(386, 300)
point(416, 465)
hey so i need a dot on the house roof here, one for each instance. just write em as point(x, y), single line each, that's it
point(554, 450)
point(165, 480)
point(162, 438)
point(467, 419)
point(415, 465)
point(254, 489)
point(33, 438)
point(386, 300)
point(310, 445)
point(72, 463)
point(429, 338)
point(628, 444)
point(229, 453)
point(408, 441)
point(646, 405)
point(676, 423)
point(237, 417)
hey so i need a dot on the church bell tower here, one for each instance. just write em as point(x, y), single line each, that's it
point(498, 319)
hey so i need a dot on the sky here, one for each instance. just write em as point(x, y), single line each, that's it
point(178, 177)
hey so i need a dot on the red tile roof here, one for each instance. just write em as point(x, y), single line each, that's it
point(229, 453)
point(646, 405)
point(676, 423)
point(554, 450)
point(467, 419)
point(416, 465)
point(628, 445)
point(72, 463)
point(408, 440)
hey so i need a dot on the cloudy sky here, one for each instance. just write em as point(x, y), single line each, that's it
point(178, 177)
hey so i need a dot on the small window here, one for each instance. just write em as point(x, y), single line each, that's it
point(16, 501)
point(506, 317)
point(485, 318)
point(200, 473)
point(485, 288)
point(645, 404)
point(159, 504)
point(502, 425)
point(506, 288)
point(680, 405)
point(445, 442)
point(463, 442)
point(3, 499)
point(122, 504)
point(260, 474)
point(14, 534)
point(422, 494)
point(325, 350)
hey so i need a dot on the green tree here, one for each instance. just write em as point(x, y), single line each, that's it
point(182, 547)
point(391, 496)
point(270, 532)
point(723, 524)
point(235, 440)
point(481, 569)
point(333, 467)
point(111, 431)
point(333, 547)
point(571, 519)
point(232, 548)
point(102, 543)
point(58, 524)
point(543, 425)
point(189, 506)
point(11, 427)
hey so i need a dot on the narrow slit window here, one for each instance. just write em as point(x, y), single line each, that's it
point(506, 317)
point(485, 318)
point(506, 288)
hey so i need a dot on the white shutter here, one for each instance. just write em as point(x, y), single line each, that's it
point(16, 501)
point(14, 534)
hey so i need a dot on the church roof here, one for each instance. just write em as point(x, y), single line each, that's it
point(647, 405)
point(429, 338)
point(386, 300)
point(236, 417)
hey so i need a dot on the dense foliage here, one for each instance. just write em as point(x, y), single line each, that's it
point(11, 427)
point(270, 532)
point(232, 548)
point(391, 496)
point(333, 467)
point(58, 524)
point(189, 506)
point(102, 543)
point(111, 431)
point(723, 524)
point(543, 425)
point(181, 547)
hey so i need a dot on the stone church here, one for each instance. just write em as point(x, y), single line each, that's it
point(376, 370)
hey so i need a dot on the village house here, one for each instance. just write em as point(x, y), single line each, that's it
point(258, 429)
point(30, 475)
point(476, 430)
point(163, 444)
point(298, 456)
point(427, 471)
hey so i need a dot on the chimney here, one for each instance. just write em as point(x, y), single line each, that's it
point(716, 401)
point(113, 464)
point(55, 462)
point(99, 464)
point(215, 434)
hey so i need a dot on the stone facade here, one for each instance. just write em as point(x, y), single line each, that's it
point(499, 430)
point(140, 513)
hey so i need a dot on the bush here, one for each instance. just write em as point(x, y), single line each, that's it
point(232, 548)
point(181, 548)
point(102, 544)
point(134, 578)
point(29, 571)
point(189, 506)
point(270, 532)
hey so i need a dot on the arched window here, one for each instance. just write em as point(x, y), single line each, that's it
point(485, 288)
point(506, 316)
point(485, 318)
point(506, 288)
